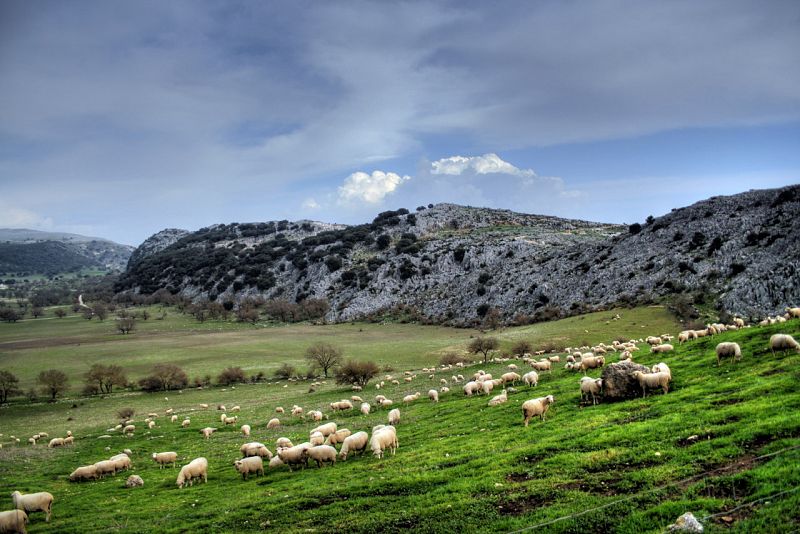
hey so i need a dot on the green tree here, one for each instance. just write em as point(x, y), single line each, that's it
point(483, 345)
point(53, 382)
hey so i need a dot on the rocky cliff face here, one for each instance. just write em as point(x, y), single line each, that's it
point(453, 263)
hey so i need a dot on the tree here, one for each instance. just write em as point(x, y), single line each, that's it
point(247, 314)
point(163, 377)
point(37, 311)
point(8, 385)
point(101, 311)
point(483, 345)
point(521, 347)
point(126, 324)
point(60, 313)
point(285, 371)
point(10, 316)
point(125, 413)
point(356, 373)
point(324, 356)
point(105, 377)
point(232, 375)
point(53, 382)
point(493, 318)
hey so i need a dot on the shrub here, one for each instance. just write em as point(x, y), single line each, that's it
point(323, 355)
point(125, 413)
point(231, 375)
point(521, 347)
point(53, 382)
point(8, 385)
point(356, 373)
point(483, 345)
point(452, 358)
point(164, 377)
point(284, 372)
point(635, 228)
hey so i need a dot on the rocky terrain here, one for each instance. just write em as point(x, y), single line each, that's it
point(452, 264)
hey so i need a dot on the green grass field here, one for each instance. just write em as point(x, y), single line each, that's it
point(461, 466)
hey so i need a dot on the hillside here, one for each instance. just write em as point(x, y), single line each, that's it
point(450, 264)
point(27, 252)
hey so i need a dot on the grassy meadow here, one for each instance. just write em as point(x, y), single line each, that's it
point(724, 443)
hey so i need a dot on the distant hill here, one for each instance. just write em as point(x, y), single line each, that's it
point(24, 251)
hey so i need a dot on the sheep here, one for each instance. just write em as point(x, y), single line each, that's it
point(230, 420)
point(204, 406)
point(168, 411)
point(326, 430)
point(255, 448)
point(793, 312)
point(275, 462)
point(408, 399)
point(354, 443)
point(591, 387)
point(591, 362)
point(341, 405)
point(134, 481)
point(356, 398)
point(236, 409)
point(683, 336)
point(783, 342)
point(534, 407)
point(542, 365)
point(652, 381)
point(487, 386)
point(315, 415)
point(739, 322)
point(394, 417)
point(322, 454)
point(86, 472)
point(531, 378)
point(173, 419)
point(338, 437)
point(294, 455)
point(129, 429)
point(207, 431)
point(56, 442)
point(279, 409)
point(653, 340)
point(197, 468)
point(382, 439)
point(246, 430)
point(499, 399)
point(297, 411)
point(13, 521)
point(185, 423)
point(273, 423)
point(34, 502)
point(283, 443)
point(365, 407)
point(444, 389)
point(662, 368)
point(252, 464)
point(163, 458)
point(105, 467)
point(554, 359)
point(570, 358)
point(471, 387)
point(121, 461)
point(221, 408)
point(660, 349)
point(151, 425)
point(433, 395)
point(510, 378)
point(69, 440)
point(317, 438)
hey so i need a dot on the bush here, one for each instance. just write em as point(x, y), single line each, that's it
point(231, 375)
point(521, 347)
point(285, 371)
point(635, 228)
point(356, 373)
point(125, 413)
point(164, 377)
point(452, 358)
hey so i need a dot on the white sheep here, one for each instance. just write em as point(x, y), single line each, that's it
point(326, 430)
point(510, 378)
point(487, 386)
point(121, 461)
point(236, 409)
point(365, 407)
point(207, 431)
point(471, 387)
point(408, 399)
point(86, 472)
point(197, 468)
point(499, 399)
point(433, 395)
point(591, 387)
point(662, 368)
point(444, 389)
point(252, 464)
point(534, 407)
point(105, 467)
point(354, 443)
point(163, 458)
point(783, 342)
point(394, 417)
point(591, 362)
point(356, 398)
point(151, 425)
point(173, 419)
point(660, 349)
point(316, 438)
point(56, 442)
point(246, 430)
point(13, 521)
point(185, 423)
point(283, 443)
point(322, 454)
point(33, 502)
point(254, 448)
point(543, 365)
point(273, 423)
point(315, 415)
point(275, 462)
point(230, 420)
point(129, 429)
point(652, 381)
point(338, 437)
point(382, 439)
point(279, 409)
point(294, 455)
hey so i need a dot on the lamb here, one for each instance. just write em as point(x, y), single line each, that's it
point(33, 502)
point(317, 438)
point(151, 425)
point(207, 431)
point(275, 462)
point(660, 349)
point(197, 468)
point(354, 443)
point(326, 430)
point(252, 464)
point(283, 443)
point(356, 398)
point(471, 387)
point(433, 395)
point(338, 437)
point(652, 381)
point(499, 399)
point(315, 415)
point(531, 378)
point(591, 387)
point(163, 458)
point(86, 472)
point(510, 378)
point(69, 440)
point(322, 454)
point(273, 423)
point(173, 419)
point(783, 342)
point(185, 423)
point(445, 389)
point(294, 455)
point(394, 417)
point(246, 430)
point(534, 407)
point(134, 481)
point(382, 439)
point(13, 521)
point(56, 442)
point(662, 368)
point(365, 407)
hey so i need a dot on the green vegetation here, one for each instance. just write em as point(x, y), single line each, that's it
point(723, 437)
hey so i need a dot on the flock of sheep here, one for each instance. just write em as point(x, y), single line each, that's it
point(323, 439)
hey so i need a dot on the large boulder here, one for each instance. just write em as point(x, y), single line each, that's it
point(618, 381)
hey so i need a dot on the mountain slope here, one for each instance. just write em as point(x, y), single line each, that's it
point(453, 263)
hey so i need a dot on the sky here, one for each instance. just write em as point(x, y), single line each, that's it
point(119, 119)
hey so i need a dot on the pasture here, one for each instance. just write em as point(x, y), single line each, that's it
point(724, 443)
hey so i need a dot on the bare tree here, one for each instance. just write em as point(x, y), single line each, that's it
point(493, 319)
point(483, 345)
point(324, 356)
point(37, 311)
point(53, 382)
point(164, 376)
point(8, 385)
point(521, 347)
point(105, 377)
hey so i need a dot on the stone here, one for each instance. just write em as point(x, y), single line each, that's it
point(134, 481)
point(618, 381)
point(686, 523)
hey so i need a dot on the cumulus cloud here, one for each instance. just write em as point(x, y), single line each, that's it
point(486, 164)
point(370, 188)
point(16, 217)
point(310, 204)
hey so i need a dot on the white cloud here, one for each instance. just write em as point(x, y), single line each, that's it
point(486, 164)
point(371, 188)
point(310, 204)
point(14, 217)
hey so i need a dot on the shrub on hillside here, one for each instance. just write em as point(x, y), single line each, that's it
point(356, 373)
point(164, 377)
point(125, 413)
point(231, 375)
point(285, 371)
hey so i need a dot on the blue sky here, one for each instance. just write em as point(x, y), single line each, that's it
point(118, 119)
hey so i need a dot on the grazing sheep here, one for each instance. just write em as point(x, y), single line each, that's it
point(354, 443)
point(173, 419)
point(56, 442)
point(246, 430)
point(471, 387)
point(444, 389)
point(792, 312)
point(499, 399)
point(221, 407)
point(394, 417)
point(279, 409)
point(534, 407)
point(151, 425)
point(433, 395)
point(185, 423)
point(13, 521)
point(294, 455)
point(662, 368)
point(487, 386)
point(69, 440)
point(252, 464)
point(317, 438)
point(273, 423)
point(236, 409)
point(591, 387)
point(542, 365)
point(554, 359)
point(86, 472)
point(197, 468)
point(356, 398)
point(591, 362)
point(105, 467)
point(33, 502)
point(660, 349)
point(315, 415)
point(163, 458)
point(231, 420)
point(531, 378)
point(653, 340)
point(204, 406)
point(783, 342)
point(341, 405)
point(129, 429)
point(297, 411)
point(322, 454)
point(326, 430)
point(408, 399)
point(652, 381)
point(207, 431)
point(365, 407)
point(382, 439)
point(275, 462)
point(510, 378)
point(134, 481)
point(255, 448)
point(121, 461)
point(283, 443)
point(386, 403)
point(338, 437)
